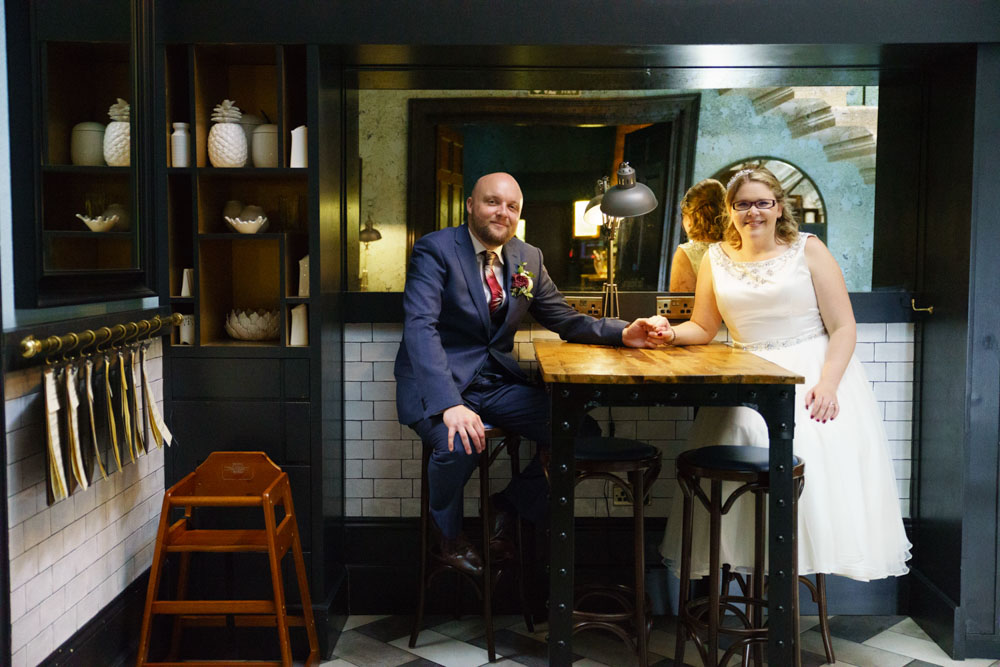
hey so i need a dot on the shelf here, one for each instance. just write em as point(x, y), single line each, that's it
point(83, 79)
point(233, 270)
point(86, 170)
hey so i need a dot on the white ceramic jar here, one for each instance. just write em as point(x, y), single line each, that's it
point(180, 146)
point(265, 146)
point(86, 144)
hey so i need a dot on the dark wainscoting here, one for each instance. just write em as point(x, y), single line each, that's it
point(382, 557)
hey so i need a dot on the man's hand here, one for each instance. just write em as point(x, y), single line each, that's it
point(646, 332)
point(467, 424)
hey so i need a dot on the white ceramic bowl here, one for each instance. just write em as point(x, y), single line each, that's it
point(252, 324)
point(247, 226)
point(100, 223)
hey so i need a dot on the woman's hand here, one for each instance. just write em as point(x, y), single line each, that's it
point(822, 401)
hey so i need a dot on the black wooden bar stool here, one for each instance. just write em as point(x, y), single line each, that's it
point(609, 459)
point(701, 618)
point(430, 566)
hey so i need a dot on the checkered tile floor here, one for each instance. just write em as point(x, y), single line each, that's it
point(859, 641)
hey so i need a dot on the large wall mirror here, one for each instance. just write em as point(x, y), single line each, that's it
point(421, 151)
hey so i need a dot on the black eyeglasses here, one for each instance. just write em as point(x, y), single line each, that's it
point(761, 204)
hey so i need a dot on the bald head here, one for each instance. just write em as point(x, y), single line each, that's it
point(494, 208)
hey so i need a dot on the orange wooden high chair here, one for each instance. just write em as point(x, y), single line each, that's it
point(230, 479)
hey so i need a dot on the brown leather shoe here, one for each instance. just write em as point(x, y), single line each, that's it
point(503, 531)
point(457, 552)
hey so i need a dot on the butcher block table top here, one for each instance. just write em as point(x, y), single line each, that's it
point(561, 362)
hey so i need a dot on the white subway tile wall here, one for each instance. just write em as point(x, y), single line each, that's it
point(70, 559)
point(383, 458)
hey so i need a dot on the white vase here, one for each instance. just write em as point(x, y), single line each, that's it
point(304, 276)
point(117, 143)
point(265, 146)
point(300, 154)
point(227, 145)
point(300, 326)
point(187, 281)
point(86, 144)
point(180, 146)
point(187, 330)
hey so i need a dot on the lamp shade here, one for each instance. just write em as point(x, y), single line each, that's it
point(628, 199)
point(592, 213)
point(369, 233)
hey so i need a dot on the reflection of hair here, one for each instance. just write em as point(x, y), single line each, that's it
point(705, 204)
point(786, 229)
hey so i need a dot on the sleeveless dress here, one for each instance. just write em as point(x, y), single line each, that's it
point(695, 251)
point(849, 520)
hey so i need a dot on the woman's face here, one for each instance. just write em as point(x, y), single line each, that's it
point(755, 224)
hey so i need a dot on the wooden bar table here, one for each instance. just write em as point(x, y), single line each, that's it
point(582, 377)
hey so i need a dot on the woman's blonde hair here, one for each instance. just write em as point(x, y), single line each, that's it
point(786, 229)
point(705, 204)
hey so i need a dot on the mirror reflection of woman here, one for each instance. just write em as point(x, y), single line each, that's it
point(703, 214)
point(783, 297)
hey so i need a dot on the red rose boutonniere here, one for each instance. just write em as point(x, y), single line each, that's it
point(521, 283)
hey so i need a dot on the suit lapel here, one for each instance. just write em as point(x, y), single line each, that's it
point(511, 257)
point(470, 268)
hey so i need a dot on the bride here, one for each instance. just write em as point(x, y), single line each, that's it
point(783, 297)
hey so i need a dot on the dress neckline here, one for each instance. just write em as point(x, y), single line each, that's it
point(791, 247)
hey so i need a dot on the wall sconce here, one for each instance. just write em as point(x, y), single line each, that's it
point(609, 208)
point(367, 236)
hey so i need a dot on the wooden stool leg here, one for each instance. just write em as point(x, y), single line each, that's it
point(715, 531)
point(424, 546)
point(760, 520)
point(155, 570)
point(637, 480)
point(684, 589)
point(485, 510)
point(513, 450)
point(280, 611)
point(303, 583)
point(824, 621)
point(182, 584)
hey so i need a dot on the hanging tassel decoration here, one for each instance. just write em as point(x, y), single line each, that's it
point(88, 378)
point(57, 475)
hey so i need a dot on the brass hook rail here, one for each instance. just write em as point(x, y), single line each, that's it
point(157, 326)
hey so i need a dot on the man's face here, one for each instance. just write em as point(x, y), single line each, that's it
point(494, 208)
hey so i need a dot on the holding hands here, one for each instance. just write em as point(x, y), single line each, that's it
point(647, 332)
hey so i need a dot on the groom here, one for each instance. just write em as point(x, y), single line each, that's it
point(467, 289)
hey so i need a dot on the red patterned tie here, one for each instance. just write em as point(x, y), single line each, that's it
point(496, 292)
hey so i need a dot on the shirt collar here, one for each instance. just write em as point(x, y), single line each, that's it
point(478, 246)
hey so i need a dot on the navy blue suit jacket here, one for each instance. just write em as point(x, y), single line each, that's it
point(446, 334)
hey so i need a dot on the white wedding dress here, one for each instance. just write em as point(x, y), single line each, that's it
point(849, 521)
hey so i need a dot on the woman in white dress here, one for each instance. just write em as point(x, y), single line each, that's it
point(783, 297)
point(703, 214)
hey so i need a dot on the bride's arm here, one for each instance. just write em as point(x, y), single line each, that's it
point(838, 318)
point(705, 319)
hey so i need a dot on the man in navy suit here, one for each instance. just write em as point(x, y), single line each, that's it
point(467, 289)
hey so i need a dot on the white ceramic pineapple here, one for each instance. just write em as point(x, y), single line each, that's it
point(117, 136)
point(227, 143)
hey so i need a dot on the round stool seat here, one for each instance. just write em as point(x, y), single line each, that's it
point(598, 448)
point(731, 463)
point(731, 457)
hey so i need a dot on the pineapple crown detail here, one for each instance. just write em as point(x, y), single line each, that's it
point(227, 112)
point(119, 111)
